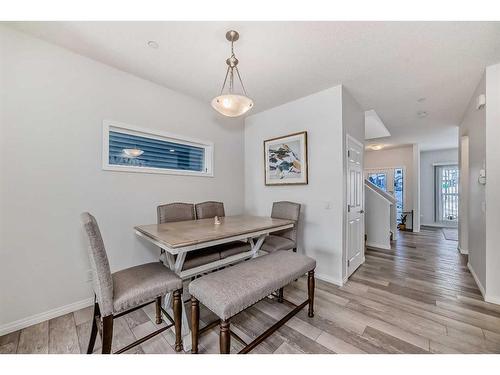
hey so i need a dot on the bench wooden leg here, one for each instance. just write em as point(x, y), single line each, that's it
point(158, 310)
point(310, 289)
point(177, 307)
point(195, 324)
point(225, 337)
point(280, 295)
point(93, 332)
point(107, 334)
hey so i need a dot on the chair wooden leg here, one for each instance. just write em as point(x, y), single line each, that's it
point(310, 290)
point(93, 332)
point(280, 295)
point(107, 334)
point(177, 307)
point(158, 310)
point(225, 337)
point(195, 324)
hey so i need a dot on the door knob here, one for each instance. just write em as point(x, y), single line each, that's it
point(361, 211)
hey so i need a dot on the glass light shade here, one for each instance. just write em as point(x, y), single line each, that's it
point(133, 152)
point(232, 105)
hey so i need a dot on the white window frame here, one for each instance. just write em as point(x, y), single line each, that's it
point(109, 125)
point(438, 203)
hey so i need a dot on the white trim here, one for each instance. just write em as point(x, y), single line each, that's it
point(440, 164)
point(492, 299)
point(476, 279)
point(154, 134)
point(462, 251)
point(42, 317)
point(377, 245)
point(329, 279)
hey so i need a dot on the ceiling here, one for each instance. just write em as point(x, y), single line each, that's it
point(386, 66)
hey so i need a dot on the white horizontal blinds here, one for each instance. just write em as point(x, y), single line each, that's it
point(447, 192)
point(156, 153)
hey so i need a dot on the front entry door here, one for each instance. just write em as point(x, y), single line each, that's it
point(355, 206)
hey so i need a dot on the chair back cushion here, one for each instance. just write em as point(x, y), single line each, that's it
point(288, 211)
point(101, 279)
point(206, 210)
point(178, 211)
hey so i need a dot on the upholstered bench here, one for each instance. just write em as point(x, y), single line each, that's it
point(233, 289)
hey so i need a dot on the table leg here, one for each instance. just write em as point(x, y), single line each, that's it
point(256, 245)
point(176, 266)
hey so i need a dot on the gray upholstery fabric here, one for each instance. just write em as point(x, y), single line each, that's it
point(274, 243)
point(283, 210)
point(178, 211)
point(233, 248)
point(206, 210)
point(102, 281)
point(140, 284)
point(200, 257)
point(233, 289)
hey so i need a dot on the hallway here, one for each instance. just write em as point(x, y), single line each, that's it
point(419, 295)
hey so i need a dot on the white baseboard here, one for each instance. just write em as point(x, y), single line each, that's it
point(41, 317)
point(492, 299)
point(328, 279)
point(476, 279)
point(377, 245)
point(462, 251)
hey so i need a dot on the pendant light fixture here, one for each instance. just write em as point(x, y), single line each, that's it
point(231, 103)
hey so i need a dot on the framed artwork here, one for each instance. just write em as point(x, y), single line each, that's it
point(285, 160)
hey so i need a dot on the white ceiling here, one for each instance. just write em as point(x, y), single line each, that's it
point(386, 66)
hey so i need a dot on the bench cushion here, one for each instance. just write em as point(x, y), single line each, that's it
point(233, 289)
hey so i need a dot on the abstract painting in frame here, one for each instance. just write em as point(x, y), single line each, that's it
point(285, 160)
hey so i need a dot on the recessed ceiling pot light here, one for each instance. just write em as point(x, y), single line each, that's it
point(420, 100)
point(422, 114)
point(153, 44)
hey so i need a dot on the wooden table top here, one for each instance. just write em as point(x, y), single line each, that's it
point(192, 232)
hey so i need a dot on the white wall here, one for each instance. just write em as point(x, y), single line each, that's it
point(52, 106)
point(428, 160)
point(492, 183)
point(395, 158)
point(473, 125)
point(322, 226)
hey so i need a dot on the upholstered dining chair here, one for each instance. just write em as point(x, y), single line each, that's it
point(122, 292)
point(209, 209)
point(179, 211)
point(285, 239)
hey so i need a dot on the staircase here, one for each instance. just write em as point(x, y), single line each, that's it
point(380, 216)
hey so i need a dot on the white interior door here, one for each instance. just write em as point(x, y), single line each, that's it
point(355, 205)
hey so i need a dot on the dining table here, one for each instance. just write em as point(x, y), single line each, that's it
point(176, 239)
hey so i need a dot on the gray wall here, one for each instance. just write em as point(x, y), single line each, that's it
point(320, 232)
point(327, 116)
point(53, 104)
point(474, 126)
point(492, 183)
point(427, 185)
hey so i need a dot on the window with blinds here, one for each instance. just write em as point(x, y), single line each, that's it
point(128, 148)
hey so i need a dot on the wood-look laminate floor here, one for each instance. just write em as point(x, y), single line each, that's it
point(418, 297)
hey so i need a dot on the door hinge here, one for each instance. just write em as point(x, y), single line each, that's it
point(348, 208)
point(348, 153)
